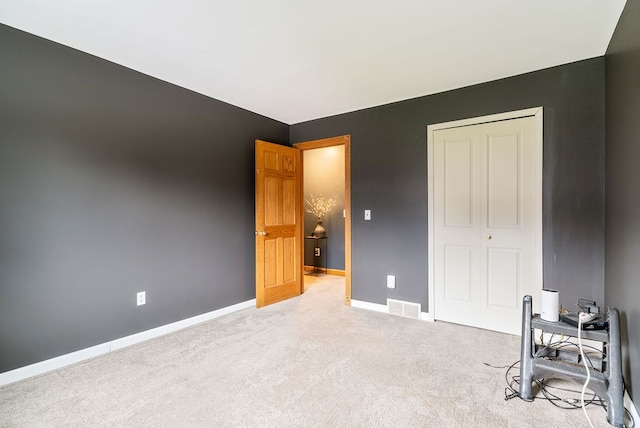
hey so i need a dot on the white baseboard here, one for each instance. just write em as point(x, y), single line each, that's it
point(424, 316)
point(632, 409)
point(104, 348)
point(376, 307)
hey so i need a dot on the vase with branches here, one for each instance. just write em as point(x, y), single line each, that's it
point(319, 206)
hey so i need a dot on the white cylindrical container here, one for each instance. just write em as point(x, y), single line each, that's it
point(550, 305)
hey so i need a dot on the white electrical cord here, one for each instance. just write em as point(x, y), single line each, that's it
point(584, 361)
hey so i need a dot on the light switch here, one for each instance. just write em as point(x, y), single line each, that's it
point(391, 281)
point(367, 214)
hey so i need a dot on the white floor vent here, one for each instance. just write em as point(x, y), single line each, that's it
point(404, 309)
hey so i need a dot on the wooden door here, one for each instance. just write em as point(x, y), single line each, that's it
point(278, 223)
point(485, 231)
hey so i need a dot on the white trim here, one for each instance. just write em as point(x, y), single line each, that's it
point(431, 277)
point(534, 111)
point(52, 364)
point(427, 316)
point(628, 404)
point(537, 113)
point(376, 307)
point(104, 348)
point(178, 325)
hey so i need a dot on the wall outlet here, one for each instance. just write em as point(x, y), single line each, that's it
point(391, 281)
point(141, 298)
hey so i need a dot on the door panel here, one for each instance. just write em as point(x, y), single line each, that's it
point(278, 223)
point(458, 175)
point(288, 201)
point(505, 180)
point(289, 257)
point(503, 278)
point(271, 205)
point(270, 265)
point(457, 276)
point(484, 224)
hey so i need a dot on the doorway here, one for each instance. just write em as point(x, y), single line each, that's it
point(344, 144)
point(485, 218)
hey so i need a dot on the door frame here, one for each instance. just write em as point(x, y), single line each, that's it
point(537, 113)
point(343, 140)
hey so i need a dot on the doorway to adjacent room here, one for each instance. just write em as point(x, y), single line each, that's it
point(326, 177)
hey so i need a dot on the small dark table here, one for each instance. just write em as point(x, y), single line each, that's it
point(319, 255)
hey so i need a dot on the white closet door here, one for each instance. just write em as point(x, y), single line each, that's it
point(485, 223)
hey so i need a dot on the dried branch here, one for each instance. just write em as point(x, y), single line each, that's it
point(319, 206)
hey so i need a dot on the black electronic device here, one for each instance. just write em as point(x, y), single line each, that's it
point(588, 306)
point(598, 323)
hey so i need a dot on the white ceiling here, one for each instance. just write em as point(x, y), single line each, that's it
point(295, 60)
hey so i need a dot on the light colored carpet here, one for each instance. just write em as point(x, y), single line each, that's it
point(306, 362)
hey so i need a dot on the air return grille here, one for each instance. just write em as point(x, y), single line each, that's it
point(403, 309)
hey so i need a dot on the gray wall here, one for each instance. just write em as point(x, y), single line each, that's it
point(623, 175)
point(389, 176)
point(112, 182)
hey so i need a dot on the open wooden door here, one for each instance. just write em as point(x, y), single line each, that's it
point(278, 223)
